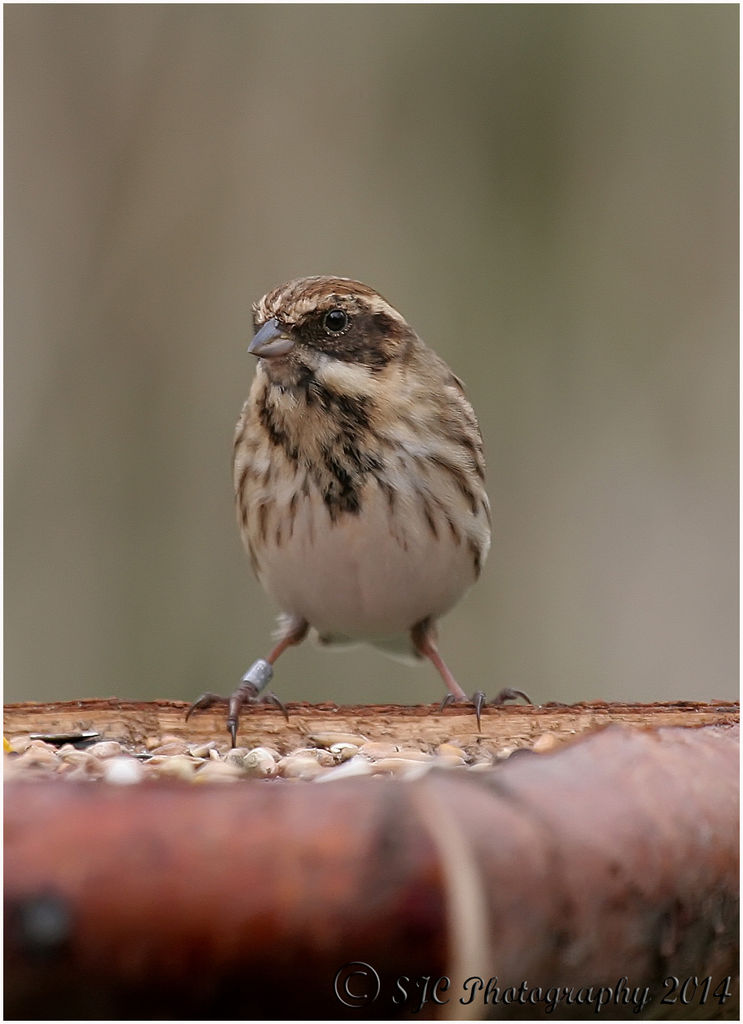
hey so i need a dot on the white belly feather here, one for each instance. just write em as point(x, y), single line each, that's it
point(363, 577)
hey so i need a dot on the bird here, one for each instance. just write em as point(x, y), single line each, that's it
point(359, 481)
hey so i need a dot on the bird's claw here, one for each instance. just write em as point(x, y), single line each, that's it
point(479, 700)
point(510, 694)
point(257, 677)
point(206, 700)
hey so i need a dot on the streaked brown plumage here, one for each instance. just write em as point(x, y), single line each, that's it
point(359, 476)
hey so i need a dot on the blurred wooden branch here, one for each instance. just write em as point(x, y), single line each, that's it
point(611, 863)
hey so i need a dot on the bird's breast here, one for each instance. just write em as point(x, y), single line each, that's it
point(390, 558)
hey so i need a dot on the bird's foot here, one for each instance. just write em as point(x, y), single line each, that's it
point(479, 699)
point(255, 680)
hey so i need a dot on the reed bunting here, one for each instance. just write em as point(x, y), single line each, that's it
point(359, 480)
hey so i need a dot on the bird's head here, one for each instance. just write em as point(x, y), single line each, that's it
point(326, 326)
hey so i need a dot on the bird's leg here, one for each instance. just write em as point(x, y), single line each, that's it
point(255, 680)
point(293, 631)
point(424, 640)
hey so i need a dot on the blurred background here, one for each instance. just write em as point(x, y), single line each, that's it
point(548, 194)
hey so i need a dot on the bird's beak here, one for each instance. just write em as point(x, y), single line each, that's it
point(271, 340)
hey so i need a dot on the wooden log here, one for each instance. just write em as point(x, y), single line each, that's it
point(599, 878)
point(422, 726)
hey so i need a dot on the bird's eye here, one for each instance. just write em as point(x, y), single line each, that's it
point(336, 321)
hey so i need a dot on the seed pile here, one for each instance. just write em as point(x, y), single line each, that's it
point(326, 757)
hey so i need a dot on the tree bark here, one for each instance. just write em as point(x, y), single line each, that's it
point(420, 726)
